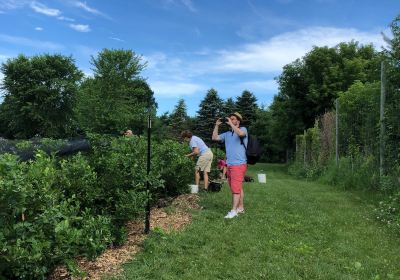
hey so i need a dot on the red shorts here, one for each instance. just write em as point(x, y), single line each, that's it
point(236, 177)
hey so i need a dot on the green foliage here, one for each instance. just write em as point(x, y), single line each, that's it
point(175, 169)
point(77, 179)
point(39, 96)
point(40, 227)
point(359, 117)
point(229, 107)
point(210, 109)
point(308, 87)
point(53, 211)
point(246, 104)
point(116, 98)
point(179, 119)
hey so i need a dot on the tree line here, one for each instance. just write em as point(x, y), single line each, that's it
point(48, 96)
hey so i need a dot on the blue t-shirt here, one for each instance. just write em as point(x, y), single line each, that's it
point(235, 151)
point(196, 142)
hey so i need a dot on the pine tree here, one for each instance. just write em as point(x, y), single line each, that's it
point(229, 107)
point(246, 105)
point(179, 118)
point(210, 109)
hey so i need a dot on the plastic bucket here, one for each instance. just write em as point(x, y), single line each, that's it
point(262, 178)
point(194, 188)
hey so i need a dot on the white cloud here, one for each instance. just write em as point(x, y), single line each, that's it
point(174, 89)
point(257, 85)
point(42, 9)
point(80, 27)
point(3, 58)
point(29, 42)
point(273, 54)
point(38, 28)
point(13, 4)
point(189, 4)
point(116, 39)
point(66, 18)
point(84, 6)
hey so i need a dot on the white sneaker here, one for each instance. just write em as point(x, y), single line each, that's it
point(240, 211)
point(231, 214)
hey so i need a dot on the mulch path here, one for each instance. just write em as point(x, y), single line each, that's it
point(111, 260)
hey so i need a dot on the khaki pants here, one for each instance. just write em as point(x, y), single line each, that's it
point(204, 161)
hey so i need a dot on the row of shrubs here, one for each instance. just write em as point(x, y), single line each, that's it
point(359, 173)
point(56, 209)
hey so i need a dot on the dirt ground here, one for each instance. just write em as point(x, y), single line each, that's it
point(173, 216)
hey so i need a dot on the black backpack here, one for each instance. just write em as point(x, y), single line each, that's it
point(253, 149)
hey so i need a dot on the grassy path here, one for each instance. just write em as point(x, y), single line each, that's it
point(291, 230)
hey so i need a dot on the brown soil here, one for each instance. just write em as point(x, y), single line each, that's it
point(173, 218)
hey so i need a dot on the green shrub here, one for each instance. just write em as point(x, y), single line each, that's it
point(176, 170)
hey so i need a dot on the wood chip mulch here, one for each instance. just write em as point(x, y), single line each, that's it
point(168, 219)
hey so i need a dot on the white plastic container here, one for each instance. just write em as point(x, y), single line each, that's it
point(194, 188)
point(262, 178)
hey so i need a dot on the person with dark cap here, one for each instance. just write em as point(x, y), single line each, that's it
point(235, 159)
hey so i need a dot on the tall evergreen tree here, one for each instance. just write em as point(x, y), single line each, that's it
point(229, 106)
point(210, 109)
point(246, 105)
point(179, 118)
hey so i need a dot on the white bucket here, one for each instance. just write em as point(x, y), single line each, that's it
point(262, 178)
point(194, 188)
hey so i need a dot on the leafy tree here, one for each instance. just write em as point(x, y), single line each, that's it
point(359, 116)
point(210, 110)
point(116, 98)
point(246, 104)
point(392, 109)
point(309, 86)
point(39, 95)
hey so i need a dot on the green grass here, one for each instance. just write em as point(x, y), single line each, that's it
point(292, 229)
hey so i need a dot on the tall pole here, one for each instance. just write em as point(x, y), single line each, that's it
point(305, 149)
point(382, 121)
point(147, 221)
point(337, 130)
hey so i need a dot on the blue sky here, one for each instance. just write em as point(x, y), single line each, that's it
point(193, 45)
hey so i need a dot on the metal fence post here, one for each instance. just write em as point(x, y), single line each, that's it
point(382, 122)
point(337, 130)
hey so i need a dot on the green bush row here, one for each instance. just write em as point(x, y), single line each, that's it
point(53, 210)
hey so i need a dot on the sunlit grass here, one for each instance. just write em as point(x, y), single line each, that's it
point(292, 229)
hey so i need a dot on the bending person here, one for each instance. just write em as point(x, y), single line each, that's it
point(205, 156)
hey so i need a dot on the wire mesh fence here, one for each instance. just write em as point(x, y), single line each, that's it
point(361, 136)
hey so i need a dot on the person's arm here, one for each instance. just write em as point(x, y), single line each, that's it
point(215, 136)
point(194, 153)
point(236, 129)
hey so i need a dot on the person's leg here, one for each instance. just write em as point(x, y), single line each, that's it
point(240, 207)
point(243, 170)
point(205, 174)
point(197, 177)
point(235, 201)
